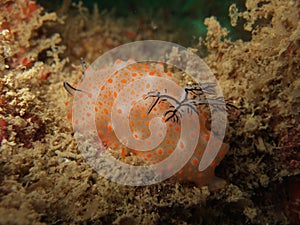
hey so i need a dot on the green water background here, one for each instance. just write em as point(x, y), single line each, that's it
point(186, 15)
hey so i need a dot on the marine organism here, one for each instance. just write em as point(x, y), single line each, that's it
point(154, 99)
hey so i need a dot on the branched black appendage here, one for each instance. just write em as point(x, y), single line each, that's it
point(190, 106)
point(199, 90)
point(174, 117)
point(172, 114)
point(159, 98)
point(196, 90)
point(217, 104)
point(176, 112)
point(193, 97)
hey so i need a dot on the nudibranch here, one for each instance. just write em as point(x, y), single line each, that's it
point(141, 109)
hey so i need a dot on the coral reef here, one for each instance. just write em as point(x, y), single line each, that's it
point(45, 180)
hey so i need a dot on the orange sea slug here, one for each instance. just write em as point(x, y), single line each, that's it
point(132, 127)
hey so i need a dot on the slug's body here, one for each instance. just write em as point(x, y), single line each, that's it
point(136, 96)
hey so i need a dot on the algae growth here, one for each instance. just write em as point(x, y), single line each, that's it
point(44, 178)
